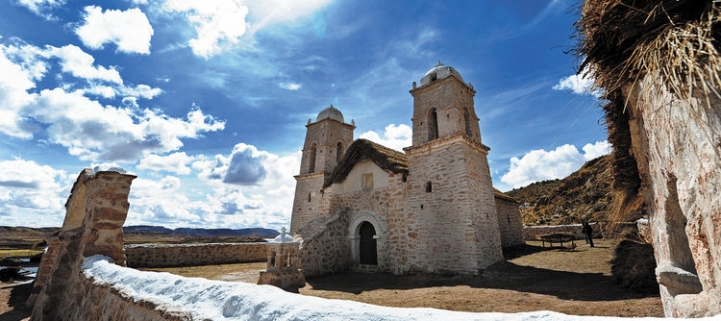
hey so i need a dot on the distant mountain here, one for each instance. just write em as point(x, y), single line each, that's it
point(584, 195)
point(201, 232)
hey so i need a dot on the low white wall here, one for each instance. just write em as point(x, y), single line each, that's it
point(146, 296)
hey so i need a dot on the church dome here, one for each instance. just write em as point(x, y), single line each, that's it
point(330, 112)
point(438, 72)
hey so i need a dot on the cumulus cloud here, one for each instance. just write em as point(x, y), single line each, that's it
point(540, 165)
point(19, 75)
point(244, 168)
point(92, 131)
point(130, 30)
point(580, 84)
point(221, 25)
point(78, 63)
point(42, 8)
point(178, 163)
point(394, 136)
point(32, 194)
point(218, 24)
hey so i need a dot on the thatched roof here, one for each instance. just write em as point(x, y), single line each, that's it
point(503, 196)
point(386, 158)
point(623, 40)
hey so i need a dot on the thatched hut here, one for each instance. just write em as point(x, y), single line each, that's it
point(659, 64)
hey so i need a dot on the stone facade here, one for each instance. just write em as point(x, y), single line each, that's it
point(96, 212)
point(676, 143)
point(431, 209)
point(327, 139)
point(170, 255)
point(283, 268)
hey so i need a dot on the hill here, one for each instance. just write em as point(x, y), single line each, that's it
point(584, 195)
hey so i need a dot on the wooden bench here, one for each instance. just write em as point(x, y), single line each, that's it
point(559, 238)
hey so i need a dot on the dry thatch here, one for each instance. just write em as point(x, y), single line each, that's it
point(386, 158)
point(622, 41)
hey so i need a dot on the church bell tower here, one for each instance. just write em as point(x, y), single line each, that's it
point(326, 141)
point(450, 193)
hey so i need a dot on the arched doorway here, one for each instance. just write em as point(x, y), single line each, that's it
point(368, 246)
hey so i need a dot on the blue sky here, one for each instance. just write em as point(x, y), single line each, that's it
point(207, 101)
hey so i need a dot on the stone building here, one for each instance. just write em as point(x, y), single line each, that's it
point(429, 209)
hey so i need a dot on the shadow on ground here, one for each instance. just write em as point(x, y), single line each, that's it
point(504, 275)
point(19, 294)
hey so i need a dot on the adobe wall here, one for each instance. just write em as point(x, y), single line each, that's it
point(677, 144)
point(171, 255)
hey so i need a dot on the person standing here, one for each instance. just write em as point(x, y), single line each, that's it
point(587, 231)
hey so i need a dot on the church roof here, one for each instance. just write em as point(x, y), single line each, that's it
point(503, 196)
point(438, 72)
point(330, 112)
point(386, 158)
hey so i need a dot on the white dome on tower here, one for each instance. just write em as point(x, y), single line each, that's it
point(438, 72)
point(330, 112)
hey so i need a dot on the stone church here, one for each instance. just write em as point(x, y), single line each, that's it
point(430, 209)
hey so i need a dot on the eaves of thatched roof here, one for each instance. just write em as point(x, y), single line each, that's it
point(388, 159)
point(503, 196)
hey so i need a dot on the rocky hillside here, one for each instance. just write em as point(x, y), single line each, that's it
point(584, 195)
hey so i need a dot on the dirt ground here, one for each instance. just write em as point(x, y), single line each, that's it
point(534, 278)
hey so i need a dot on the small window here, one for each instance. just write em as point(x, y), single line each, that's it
point(367, 182)
point(311, 159)
point(429, 187)
point(309, 195)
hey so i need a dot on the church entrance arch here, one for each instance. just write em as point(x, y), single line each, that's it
point(368, 245)
point(367, 237)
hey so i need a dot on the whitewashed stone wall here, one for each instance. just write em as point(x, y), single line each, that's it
point(455, 224)
point(677, 144)
point(325, 247)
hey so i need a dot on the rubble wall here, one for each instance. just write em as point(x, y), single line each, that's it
point(172, 255)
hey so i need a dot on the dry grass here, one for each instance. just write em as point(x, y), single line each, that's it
point(534, 278)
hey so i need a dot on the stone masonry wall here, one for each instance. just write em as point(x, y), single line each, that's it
point(677, 144)
point(451, 209)
point(170, 255)
point(96, 212)
point(533, 233)
point(324, 248)
point(509, 222)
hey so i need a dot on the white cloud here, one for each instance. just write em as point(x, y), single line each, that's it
point(94, 132)
point(78, 63)
point(130, 30)
point(16, 80)
point(290, 85)
point(42, 7)
point(597, 149)
point(267, 12)
point(32, 194)
point(539, 165)
point(394, 136)
point(218, 24)
point(177, 163)
point(580, 84)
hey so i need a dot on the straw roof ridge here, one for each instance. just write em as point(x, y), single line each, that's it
point(386, 158)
